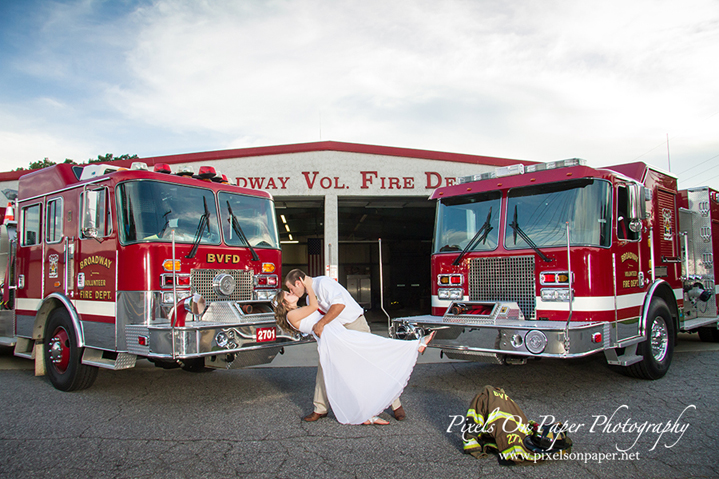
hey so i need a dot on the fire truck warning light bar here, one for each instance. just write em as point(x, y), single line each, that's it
point(520, 169)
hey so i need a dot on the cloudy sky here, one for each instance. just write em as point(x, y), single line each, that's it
point(611, 81)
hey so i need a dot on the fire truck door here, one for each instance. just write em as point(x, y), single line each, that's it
point(29, 267)
point(95, 266)
point(56, 249)
point(630, 265)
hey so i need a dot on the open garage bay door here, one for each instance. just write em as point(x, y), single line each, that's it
point(405, 225)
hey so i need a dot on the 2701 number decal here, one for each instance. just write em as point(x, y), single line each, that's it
point(265, 334)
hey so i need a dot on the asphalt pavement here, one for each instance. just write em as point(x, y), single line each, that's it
point(149, 422)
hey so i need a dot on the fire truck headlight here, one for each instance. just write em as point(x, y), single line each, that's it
point(224, 284)
point(265, 295)
point(168, 297)
point(535, 341)
point(555, 294)
point(449, 293)
point(549, 294)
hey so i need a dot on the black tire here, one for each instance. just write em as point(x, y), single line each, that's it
point(658, 348)
point(62, 356)
point(194, 365)
point(709, 334)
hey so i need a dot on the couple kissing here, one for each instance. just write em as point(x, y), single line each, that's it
point(359, 374)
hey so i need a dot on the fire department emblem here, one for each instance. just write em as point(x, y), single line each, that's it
point(53, 259)
point(667, 215)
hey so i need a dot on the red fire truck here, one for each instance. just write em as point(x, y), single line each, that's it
point(108, 264)
point(561, 260)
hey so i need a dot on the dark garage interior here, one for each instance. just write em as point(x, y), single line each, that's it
point(405, 226)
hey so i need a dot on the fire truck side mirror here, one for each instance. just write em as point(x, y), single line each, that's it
point(637, 206)
point(95, 213)
point(645, 195)
point(89, 207)
point(89, 232)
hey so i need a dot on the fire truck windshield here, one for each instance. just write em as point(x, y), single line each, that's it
point(150, 210)
point(255, 219)
point(459, 219)
point(544, 210)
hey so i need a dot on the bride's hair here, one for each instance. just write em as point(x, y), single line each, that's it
point(281, 311)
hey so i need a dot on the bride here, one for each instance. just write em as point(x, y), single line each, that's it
point(364, 373)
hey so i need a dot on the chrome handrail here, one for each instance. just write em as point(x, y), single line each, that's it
point(567, 344)
point(173, 320)
point(381, 289)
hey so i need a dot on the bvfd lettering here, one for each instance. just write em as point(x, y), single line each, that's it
point(513, 438)
point(223, 258)
point(500, 395)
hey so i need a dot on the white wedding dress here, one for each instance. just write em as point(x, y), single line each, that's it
point(364, 373)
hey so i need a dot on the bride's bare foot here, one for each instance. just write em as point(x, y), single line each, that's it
point(424, 343)
point(376, 420)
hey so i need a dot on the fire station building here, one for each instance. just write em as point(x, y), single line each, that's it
point(335, 201)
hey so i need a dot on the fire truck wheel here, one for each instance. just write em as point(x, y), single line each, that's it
point(63, 357)
point(658, 349)
point(194, 365)
point(709, 334)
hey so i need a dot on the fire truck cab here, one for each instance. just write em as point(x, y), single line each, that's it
point(562, 260)
point(107, 264)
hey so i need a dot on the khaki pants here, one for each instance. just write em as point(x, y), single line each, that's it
point(320, 400)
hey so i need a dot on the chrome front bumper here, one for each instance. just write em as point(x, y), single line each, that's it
point(497, 339)
point(224, 331)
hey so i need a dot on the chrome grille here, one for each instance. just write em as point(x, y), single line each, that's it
point(201, 282)
point(504, 279)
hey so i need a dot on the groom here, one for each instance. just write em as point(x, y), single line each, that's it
point(336, 303)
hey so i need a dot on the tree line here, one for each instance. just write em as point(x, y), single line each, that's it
point(45, 162)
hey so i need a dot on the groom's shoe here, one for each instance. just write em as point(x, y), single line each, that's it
point(314, 416)
point(399, 414)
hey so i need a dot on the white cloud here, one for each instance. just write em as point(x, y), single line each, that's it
point(236, 69)
point(19, 149)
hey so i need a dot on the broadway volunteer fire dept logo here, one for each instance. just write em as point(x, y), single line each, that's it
point(53, 259)
point(667, 215)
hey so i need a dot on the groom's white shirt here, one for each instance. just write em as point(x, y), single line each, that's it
point(330, 292)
